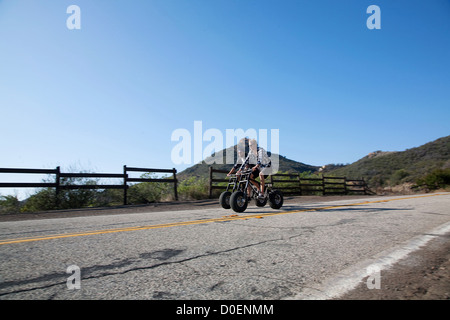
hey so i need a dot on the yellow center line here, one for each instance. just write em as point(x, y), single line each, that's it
point(196, 222)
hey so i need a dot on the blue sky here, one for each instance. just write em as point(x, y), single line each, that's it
point(113, 92)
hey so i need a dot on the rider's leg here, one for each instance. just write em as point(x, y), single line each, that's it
point(261, 177)
point(252, 181)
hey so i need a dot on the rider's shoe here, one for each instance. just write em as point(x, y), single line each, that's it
point(261, 195)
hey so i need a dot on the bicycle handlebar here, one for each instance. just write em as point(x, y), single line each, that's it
point(248, 171)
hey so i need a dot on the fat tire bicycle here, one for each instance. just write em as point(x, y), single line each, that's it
point(236, 197)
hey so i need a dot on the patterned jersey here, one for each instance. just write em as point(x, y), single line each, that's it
point(260, 158)
point(239, 163)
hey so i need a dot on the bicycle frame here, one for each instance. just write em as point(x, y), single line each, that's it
point(242, 183)
point(245, 181)
point(232, 182)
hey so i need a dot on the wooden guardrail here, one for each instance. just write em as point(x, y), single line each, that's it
point(289, 183)
point(127, 179)
point(294, 184)
point(59, 179)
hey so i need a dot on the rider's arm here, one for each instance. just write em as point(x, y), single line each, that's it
point(262, 155)
point(245, 163)
point(236, 167)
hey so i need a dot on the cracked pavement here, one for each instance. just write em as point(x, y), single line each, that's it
point(259, 257)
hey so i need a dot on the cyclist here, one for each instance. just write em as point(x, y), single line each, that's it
point(240, 161)
point(241, 147)
point(260, 163)
point(244, 163)
point(263, 165)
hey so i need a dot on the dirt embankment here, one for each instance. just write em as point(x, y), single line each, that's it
point(422, 275)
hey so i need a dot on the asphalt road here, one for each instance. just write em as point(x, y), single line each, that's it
point(314, 250)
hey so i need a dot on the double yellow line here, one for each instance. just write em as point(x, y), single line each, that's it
point(196, 222)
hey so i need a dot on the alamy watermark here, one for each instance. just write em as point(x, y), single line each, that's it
point(190, 147)
point(374, 21)
point(374, 279)
point(73, 22)
point(74, 281)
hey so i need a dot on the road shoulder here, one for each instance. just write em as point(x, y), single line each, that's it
point(422, 275)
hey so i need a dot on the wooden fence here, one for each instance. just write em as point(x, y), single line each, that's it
point(294, 184)
point(289, 183)
point(61, 186)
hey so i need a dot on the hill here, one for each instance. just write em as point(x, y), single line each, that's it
point(202, 169)
point(381, 169)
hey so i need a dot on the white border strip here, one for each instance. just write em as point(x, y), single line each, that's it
point(351, 277)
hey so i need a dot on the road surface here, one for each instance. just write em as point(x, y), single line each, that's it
point(306, 250)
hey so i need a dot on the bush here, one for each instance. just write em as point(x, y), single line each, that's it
point(147, 192)
point(42, 200)
point(398, 177)
point(109, 197)
point(9, 204)
point(46, 199)
point(437, 179)
point(193, 188)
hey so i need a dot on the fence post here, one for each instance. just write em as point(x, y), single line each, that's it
point(210, 182)
point(345, 185)
point(300, 184)
point(57, 181)
point(125, 186)
point(175, 184)
point(323, 185)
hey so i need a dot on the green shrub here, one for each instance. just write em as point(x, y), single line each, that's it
point(437, 179)
point(9, 204)
point(398, 177)
point(147, 192)
point(193, 188)
point(44, 199)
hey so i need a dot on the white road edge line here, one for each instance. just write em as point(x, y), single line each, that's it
point(349, 278)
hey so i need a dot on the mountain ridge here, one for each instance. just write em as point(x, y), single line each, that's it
point(201, 169)
point(389, 168)
point(378, 168)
